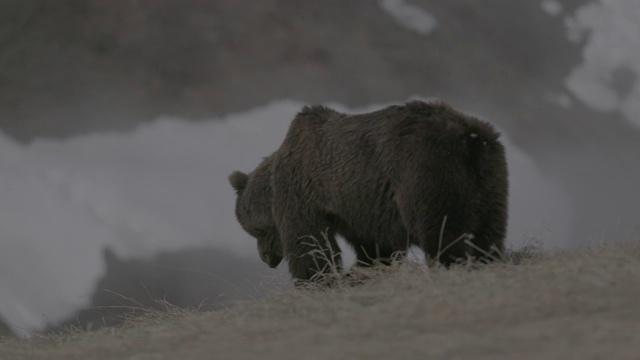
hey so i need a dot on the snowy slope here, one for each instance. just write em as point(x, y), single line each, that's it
point(159, 188)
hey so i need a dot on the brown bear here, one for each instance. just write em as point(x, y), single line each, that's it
point(416, 174)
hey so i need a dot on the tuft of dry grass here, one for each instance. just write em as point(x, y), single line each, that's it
point(534, 305)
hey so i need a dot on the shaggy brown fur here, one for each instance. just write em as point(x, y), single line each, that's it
point(420, 173)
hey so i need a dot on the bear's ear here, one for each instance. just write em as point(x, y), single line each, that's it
point(238, 180)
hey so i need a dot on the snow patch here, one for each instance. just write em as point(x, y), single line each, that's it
point(611, 32)
point(560, 99)
point(162, 187)
point(551, 7)
point(409, 16)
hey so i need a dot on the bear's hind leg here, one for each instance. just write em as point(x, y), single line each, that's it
point(443, 238)
point(488, 243)
point(447, 241)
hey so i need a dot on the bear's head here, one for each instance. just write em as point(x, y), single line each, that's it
point(253, 210)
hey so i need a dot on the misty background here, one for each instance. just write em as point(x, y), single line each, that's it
point(120, 121)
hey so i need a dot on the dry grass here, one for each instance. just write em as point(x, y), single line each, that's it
point(579, 305)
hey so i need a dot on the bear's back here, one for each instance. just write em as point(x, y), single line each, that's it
point(318, 132)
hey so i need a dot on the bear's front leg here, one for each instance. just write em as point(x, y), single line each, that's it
point(312, 257)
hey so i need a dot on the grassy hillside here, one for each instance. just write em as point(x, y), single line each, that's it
point(580, 305)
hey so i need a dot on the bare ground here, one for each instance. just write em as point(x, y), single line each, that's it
point(579, 305)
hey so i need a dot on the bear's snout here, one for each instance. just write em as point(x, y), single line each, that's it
point(270, 259)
